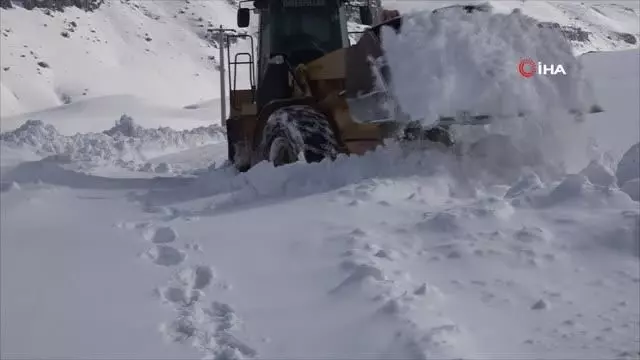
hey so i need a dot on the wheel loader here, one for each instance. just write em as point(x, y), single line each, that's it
point(312, 94)
point(297, 105)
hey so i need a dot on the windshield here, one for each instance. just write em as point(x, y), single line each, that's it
point(305, 32)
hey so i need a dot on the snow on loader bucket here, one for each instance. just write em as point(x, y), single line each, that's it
point(317, 95)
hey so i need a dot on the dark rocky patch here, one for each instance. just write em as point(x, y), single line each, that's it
point(52, 5)
point(626, 37)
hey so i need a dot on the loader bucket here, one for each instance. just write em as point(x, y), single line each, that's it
point(360, 79)
point(367, 77)
point(368, 81)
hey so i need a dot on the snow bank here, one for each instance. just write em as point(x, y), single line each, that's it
point(448, 176)
point(126, 144)
point(446, 62)
point(72, 118)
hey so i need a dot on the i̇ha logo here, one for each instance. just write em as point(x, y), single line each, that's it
point(527, 68)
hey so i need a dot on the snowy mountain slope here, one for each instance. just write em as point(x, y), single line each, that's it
point(156, 50)
point(395, 254)
point(589, 25)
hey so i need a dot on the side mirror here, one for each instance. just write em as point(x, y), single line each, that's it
point(366, 18)
point(244, 15)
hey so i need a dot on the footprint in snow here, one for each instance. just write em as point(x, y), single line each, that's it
point(197, 277)
point(179, 296)
point(161, 235)
point(210, 331)
point(225, 320)
point(165, 255)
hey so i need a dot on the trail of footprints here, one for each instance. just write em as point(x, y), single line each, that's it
point(207, 326)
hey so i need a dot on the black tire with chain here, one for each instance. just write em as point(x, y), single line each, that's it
point(293, 129)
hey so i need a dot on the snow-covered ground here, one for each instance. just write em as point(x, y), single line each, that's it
point(160, 51)
point(97, 114)
point(134, 242)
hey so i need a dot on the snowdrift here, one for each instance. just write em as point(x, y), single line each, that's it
point(99, 113)
point(493, 161)
point(126, 144)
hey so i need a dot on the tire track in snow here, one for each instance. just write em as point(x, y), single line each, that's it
point(205, 325)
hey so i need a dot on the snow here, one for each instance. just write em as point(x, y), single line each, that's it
point(159, 51)
point(97, 114)
point(445, 63)
point(388, 266)
point(133, 241)
point(81, 291)
point(604, 21)
point(126, 144)
point(618, 127)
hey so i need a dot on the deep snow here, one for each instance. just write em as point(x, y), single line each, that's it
point(445, 63)
point(394, 254)
point(126, 144)
point(356, 258)
point(97, 114)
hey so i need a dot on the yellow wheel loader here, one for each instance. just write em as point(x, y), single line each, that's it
point(297, 106)
point(305, 100)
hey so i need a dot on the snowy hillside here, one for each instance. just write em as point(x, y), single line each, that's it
point(160, 51)
point(589, 25)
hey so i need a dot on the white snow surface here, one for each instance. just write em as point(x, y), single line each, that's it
point(126, 144)
point(402, 253)
point(159, 51)
point(97, 114)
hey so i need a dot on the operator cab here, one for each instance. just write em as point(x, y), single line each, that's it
point(294, 32)
point(305, 33)
point(302, 30)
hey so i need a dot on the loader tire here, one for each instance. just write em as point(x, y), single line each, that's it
point(294, 130)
